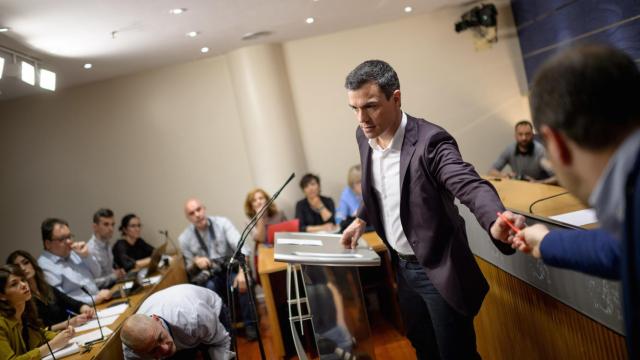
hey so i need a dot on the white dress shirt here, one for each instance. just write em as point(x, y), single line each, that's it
point(191, 313)
point(385, 170)
point(70, 274)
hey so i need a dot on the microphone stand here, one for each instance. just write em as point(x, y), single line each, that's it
point(97, 317)
point(240, 258)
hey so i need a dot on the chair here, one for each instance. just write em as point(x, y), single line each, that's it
point(285, 226)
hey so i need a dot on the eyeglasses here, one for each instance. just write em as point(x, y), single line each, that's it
point(64, 238)
point(135, 225)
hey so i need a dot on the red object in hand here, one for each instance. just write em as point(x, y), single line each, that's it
point(513, 227)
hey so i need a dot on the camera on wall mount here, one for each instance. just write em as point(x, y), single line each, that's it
point(483, 20)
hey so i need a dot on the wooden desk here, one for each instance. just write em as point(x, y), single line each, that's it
point(111, 349)
point(519, 319)
point(267, 269)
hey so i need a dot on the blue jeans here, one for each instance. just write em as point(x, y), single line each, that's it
point(435, 329)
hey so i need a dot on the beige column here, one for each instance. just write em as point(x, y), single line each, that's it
point(271, 133)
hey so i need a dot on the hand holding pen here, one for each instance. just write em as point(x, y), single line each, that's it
point(506, 226)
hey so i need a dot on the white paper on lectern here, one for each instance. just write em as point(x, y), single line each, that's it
point(577, 218)
point(299, 242)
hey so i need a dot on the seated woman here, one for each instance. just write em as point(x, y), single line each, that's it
point(315, 212)
point(21, 334)
point(351, 198)
point(54, 307)
point(131, 252)
point(255, 201)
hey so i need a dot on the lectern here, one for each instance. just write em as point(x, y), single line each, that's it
point(323, 286)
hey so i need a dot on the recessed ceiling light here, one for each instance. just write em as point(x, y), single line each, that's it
point(204, 50)
point(4, 29)
point(177, 11)
point(192, 34)
point(408, 9)
point(87, 66)
point(310, 20)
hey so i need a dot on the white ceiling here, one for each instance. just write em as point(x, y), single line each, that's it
point(65, 34)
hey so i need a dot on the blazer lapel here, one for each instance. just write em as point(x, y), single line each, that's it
point(408, 148)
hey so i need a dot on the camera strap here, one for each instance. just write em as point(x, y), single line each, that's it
point(212, 235)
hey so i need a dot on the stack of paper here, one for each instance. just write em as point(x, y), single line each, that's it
point(93, 324)
point(70, 349)
point(114, 310)
point(91, 336)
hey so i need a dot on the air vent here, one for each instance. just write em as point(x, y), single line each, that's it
point(255, 35)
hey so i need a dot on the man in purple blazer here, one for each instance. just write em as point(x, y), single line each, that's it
point(411, 172)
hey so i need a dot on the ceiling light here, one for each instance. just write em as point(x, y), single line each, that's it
point(192, 34)
point(87, 66)
point(204, 50)
point(310, 20)
point(408, 9)
point(3, 29)
point(47, 80)
point(177, 11)
point(1, 66)
point(28, 73)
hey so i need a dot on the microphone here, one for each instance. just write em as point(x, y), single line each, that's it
point(257, 216)
point(84, 289)
point(53, 357)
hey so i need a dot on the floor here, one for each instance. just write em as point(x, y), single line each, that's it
point(389, 343)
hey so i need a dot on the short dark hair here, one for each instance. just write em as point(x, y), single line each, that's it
point(307, 178)
point(524, 122)
point(589, 93)
point(376, 71)
point(47, 227)
point(125, 222)
point(102, 213)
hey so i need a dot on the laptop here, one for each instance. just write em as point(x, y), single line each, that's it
point(156, 256)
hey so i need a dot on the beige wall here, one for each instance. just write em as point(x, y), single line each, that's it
point(144, 143)
point(476, 96)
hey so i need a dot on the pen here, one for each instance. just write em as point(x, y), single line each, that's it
point(513, 227)
point(71, 313)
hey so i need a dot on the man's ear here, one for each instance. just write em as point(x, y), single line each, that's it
point(94, 226)
point(397, 97)
point(557, 145)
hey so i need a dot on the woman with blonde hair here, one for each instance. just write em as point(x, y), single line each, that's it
point(350, 198)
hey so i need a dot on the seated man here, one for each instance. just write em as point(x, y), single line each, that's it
point(101, 249)
point(207, 244)
point(176, 323)
point(526, 157)
point(67, 265)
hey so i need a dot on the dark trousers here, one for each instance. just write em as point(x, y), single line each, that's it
point(435, 329)
point(217, 283)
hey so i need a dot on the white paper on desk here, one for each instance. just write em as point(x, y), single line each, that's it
point(152, 280)
point(114, 310)
point(577, 218)
point(300, 242)
point(70, 349)
point(91, 336)
point(93, 324)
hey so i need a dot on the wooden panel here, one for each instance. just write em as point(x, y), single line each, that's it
point(519, 321)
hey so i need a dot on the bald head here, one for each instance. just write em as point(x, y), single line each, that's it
point(145, 335)
point(195, 211)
